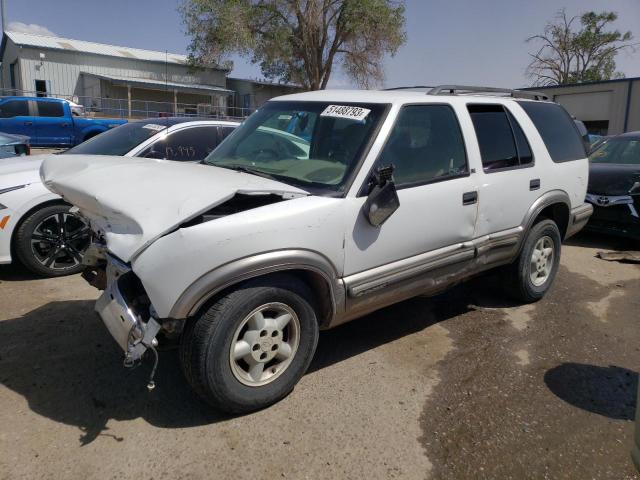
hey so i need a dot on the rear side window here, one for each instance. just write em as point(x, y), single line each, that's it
point(524, 150)
point(187, 145)
point(50, 109)
point(14, 108)
point(557, 130)
point(501, 140)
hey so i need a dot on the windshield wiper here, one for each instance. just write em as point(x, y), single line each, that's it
point(245, 169)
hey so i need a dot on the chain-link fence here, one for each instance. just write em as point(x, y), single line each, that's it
point(131, 109)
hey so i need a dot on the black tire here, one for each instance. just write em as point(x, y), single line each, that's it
point(519, 273)
point(67, 261)
point(207, 340)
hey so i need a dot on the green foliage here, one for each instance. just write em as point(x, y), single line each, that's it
point(588, 54)
point(299, 41)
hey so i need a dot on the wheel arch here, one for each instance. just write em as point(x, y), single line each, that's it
point(27, 213)
point(312, 268)
point(554, 205)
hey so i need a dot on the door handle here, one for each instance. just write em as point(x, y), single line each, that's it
point(28, 123)
point(534, 184)
point(64, 124)
point(469, 198)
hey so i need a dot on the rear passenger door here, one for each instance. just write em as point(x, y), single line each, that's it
point(437, 192)
point(53, 126)
point(509, 181)
point(15, 117)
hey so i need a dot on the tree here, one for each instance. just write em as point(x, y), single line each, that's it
point(587, 54)
point(299, 41)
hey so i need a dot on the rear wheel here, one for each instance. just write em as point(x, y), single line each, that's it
point(250, 348)
point(50, 241)
point(534, 271)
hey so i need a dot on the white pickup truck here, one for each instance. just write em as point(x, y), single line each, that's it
point(372, 197)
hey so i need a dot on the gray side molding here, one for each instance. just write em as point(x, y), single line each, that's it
point(231, 273)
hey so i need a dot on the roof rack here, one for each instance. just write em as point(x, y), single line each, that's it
point(464, 89)
point(416, 87)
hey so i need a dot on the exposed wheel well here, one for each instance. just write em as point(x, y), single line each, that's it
point(316, 283)
point(559, 213)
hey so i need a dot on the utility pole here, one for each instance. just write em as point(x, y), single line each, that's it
point(4, 29)
point(4, 21)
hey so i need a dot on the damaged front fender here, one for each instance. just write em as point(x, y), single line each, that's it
point(132, 202)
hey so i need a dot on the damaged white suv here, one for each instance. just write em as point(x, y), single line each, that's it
point(320, 208)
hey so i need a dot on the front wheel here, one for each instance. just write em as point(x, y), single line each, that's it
point(50, 241)
point(250, 348)
point(535, 269)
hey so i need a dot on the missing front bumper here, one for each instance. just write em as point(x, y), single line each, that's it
point(131, 331)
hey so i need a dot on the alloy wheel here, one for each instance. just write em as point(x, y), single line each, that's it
point(59, 240)
point(541, 261)
point(264, 344)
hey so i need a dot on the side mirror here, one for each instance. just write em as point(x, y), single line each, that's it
point(383, 199)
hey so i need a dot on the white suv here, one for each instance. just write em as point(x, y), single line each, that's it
point(320, 208)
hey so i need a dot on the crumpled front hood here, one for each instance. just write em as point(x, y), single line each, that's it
point(612, 179)
point(134, 201)
point(16, 171)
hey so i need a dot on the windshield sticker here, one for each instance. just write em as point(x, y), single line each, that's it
point(344, 111)
point(153, 126)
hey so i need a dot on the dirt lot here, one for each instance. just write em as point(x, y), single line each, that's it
point(465, 385)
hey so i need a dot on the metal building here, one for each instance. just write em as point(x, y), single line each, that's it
point(609, 107)
point(117, 81)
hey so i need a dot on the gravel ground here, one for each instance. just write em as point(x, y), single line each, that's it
point(464, 385)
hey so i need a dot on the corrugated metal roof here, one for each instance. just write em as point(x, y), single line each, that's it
point(159, 84)
point(59, 43)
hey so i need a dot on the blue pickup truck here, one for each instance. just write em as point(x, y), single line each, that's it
point(49, 122)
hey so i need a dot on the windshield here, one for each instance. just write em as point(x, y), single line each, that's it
point(119, 140)
point(619, 150)
point(308, 144)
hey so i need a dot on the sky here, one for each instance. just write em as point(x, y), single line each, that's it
point(479, 42)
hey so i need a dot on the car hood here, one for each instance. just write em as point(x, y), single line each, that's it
point(612, 179)
point(16, 171)
point(134, 201)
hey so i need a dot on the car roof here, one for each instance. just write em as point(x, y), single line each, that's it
point(629, 135)
point(171, 121)
point(399, 96)
point(48, 99)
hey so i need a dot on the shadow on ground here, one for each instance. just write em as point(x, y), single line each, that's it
point(61, 358)
point(600, 240)
point(608, 391)
point(16, 273)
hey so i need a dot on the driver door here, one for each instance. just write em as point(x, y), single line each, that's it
point(438, 206)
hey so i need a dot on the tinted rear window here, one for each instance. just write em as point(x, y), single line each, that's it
point(557, 130)
point(119, 140)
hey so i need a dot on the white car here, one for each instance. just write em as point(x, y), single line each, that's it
point(37, 226)
point(400, 193)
